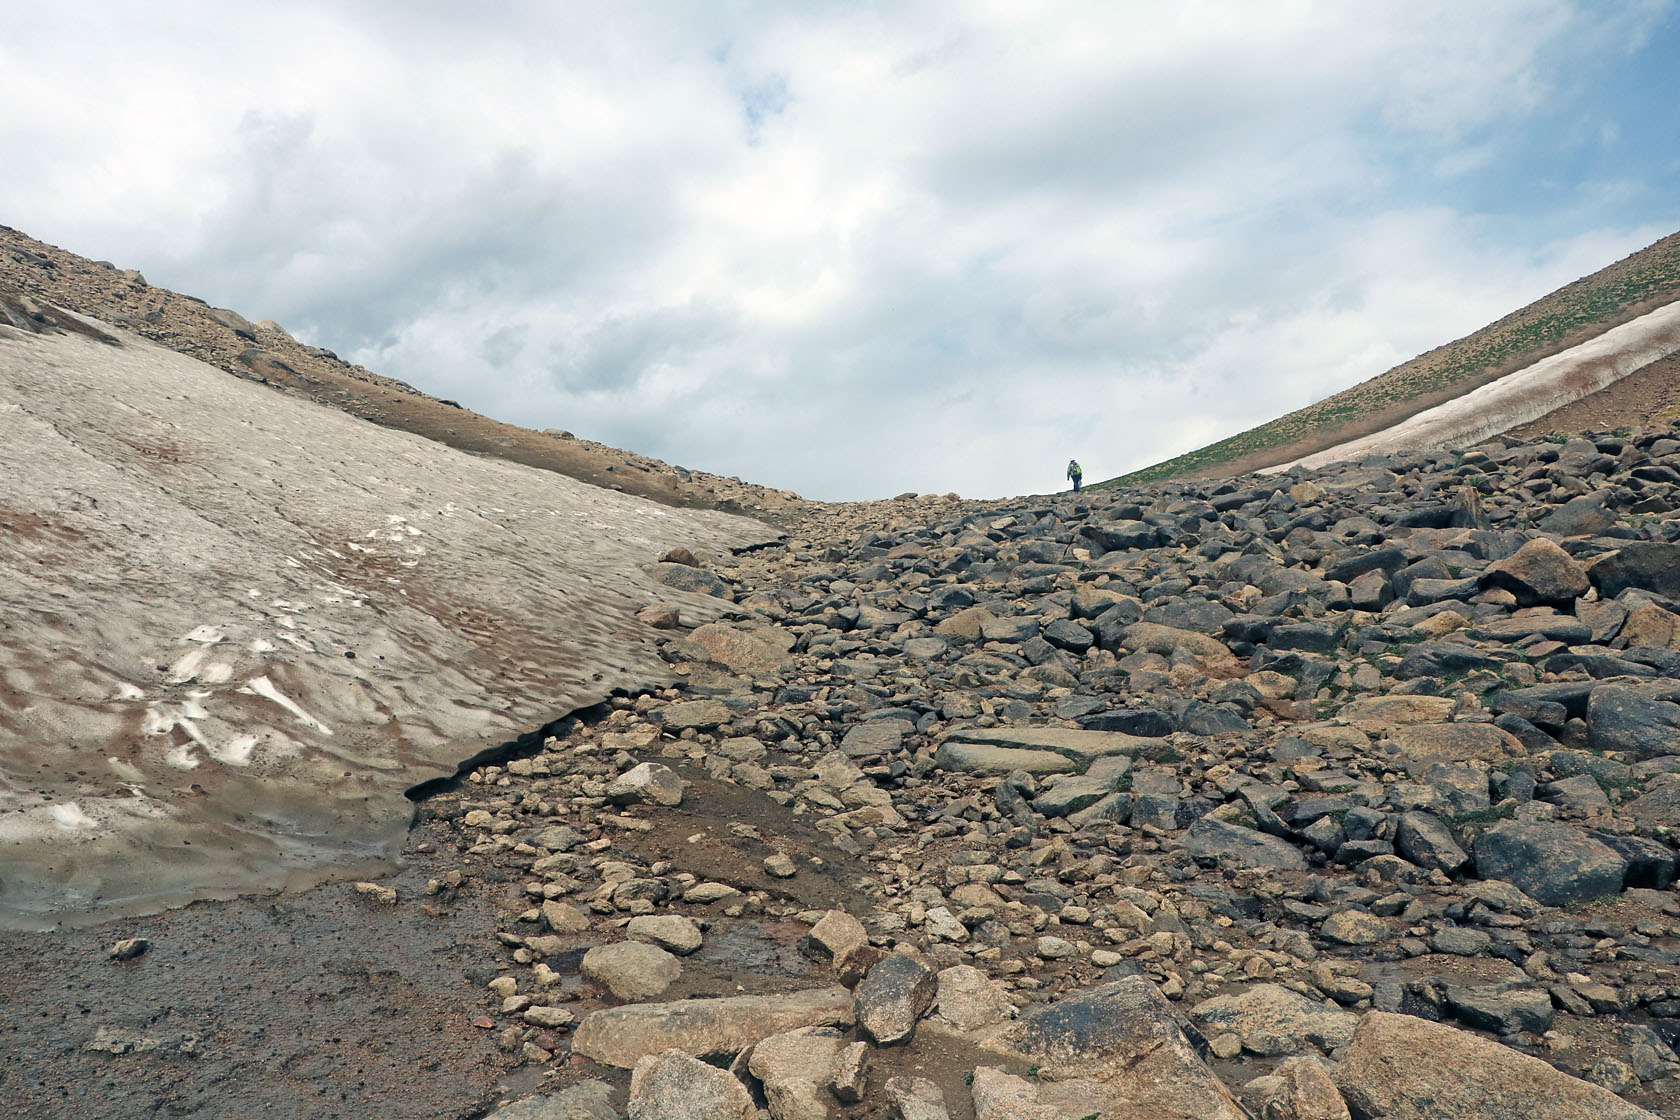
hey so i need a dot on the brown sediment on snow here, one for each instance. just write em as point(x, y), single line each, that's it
point(239, 625)
point(1524, 396)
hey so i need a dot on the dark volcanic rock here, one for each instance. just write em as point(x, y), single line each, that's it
point(1622, 719)
point(1551, 863)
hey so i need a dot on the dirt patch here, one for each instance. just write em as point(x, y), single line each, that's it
point(322, 1003)
point(724, 832)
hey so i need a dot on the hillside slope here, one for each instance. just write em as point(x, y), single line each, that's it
point(265, 353)
point(1579, 311)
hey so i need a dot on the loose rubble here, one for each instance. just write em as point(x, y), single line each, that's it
point(1330, 794)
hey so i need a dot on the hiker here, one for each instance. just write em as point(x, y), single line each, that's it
point(1074, 473)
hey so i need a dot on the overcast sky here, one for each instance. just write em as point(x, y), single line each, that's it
point(855, 249)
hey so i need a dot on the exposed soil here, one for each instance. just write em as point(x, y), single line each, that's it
point(323, 1003)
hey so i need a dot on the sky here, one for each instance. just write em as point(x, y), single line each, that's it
point(855, 249)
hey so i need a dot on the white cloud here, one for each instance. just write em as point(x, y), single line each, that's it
point(848, 250)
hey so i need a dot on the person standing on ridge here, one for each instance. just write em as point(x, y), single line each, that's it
point(1075, 473)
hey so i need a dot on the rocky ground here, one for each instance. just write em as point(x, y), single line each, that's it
point(1346, 793)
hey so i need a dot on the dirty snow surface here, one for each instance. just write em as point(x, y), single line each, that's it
point(1517, 398)
point(236, 627)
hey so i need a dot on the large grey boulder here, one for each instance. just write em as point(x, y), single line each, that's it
point(1624, 719)
point(1552, 863)
point(1234, 846)
point(1427, 842)
point(1399, 1067)
point(1539, 573)
point(1648, 565)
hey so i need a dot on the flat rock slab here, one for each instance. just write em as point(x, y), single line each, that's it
point(587, 1100)
point(268, 619)
point(1081, 746)
point(1551, 863)
point(978, 758)
point(1272, 1021)
point(1380, 713)
point(1458, 742)
point(1235, 846)
point(1123, 1037)
point(1403, 1068)
point(706, 1028)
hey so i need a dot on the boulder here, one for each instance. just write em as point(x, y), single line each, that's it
point(684, 578)
point(701, 715)
point(1118, 1044)
point(1400, 1067)
point(1272, 1021)
point(586, 1100)
point(632, 970)
point(708, 1028)
point(1427, 842)
point(1580, 517)
point(675, 933)
point(795, 1068)
point(1624, 719)
point(1539, 574)
point(1301, 1089)
point(674, 1086)
point(895, 994)
point(758, 651)
point(1234, 846)
point(1552, 863)
point(915, 1098)
point(1149, 637)
point(648, 781)
point(968, 999)
point(835, 938)
point(1458, 742)
point(1381, 714)
point(1647, 565)
point(875, 738)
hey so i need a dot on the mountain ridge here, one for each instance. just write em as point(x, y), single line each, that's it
point(1578, 311)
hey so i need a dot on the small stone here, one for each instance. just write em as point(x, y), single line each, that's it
point(632, 970)
point(780, 865)
point(384, 895)
point(563, 917)
point(130, 947)
point(551, 1017)
point(1055, 949)
point(648, 781)
point(851, 1073)
point(674, 932)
